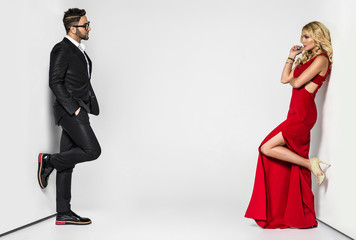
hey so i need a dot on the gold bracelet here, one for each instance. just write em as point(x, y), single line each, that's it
point(289, 62)
point(291, 59)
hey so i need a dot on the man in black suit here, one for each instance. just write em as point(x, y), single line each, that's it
point(69, 80)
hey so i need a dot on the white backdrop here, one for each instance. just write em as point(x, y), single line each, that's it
point(334, 135)
point(187, 90)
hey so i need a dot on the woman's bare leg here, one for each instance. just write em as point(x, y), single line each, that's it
point(275, 148)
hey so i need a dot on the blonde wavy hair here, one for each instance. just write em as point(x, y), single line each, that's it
point(321, 36)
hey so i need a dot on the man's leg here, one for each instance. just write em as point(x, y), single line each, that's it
point(64, 178)
point(85, 146)
point(78, 144)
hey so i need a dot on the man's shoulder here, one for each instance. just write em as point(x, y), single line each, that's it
point(61, 46)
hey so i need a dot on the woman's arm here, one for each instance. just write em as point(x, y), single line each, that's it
point(319, 65)
point(287, 73)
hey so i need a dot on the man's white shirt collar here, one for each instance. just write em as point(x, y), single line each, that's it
point(81, 46)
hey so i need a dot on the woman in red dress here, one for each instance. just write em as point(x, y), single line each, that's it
point(282, 195)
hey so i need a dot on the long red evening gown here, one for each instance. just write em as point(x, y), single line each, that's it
point(282, 195)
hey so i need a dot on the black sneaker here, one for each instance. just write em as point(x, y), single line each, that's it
point(44, 169)
point(71, 218)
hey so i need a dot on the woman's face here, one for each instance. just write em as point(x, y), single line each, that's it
point(307, 41)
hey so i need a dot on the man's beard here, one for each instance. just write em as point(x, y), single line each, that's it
point(82, 36)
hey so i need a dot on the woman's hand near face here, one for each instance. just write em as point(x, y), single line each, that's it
point(287, 73)
point(295, 50)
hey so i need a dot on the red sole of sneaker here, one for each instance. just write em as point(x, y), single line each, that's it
point(39, 170)
point(71, 223)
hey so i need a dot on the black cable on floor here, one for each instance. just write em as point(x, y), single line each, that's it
point(334, 229)
point(27, 225)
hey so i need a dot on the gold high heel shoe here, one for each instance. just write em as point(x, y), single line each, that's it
point(316, 170)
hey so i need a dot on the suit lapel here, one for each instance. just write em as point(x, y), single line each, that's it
point(75, 50)
point(79, 53)
point(90, 64)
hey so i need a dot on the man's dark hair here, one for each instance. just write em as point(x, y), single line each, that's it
point(72, 17)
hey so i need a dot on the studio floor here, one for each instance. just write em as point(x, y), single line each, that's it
point(168, 223)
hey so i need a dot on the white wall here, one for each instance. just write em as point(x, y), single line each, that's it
point(26, 121)
point(335, 133)
point(187, 89)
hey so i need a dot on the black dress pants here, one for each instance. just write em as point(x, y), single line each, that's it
point(78, 144)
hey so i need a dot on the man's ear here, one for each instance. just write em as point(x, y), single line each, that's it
point(73, 30)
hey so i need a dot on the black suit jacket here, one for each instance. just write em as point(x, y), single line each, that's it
point(69, 80)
